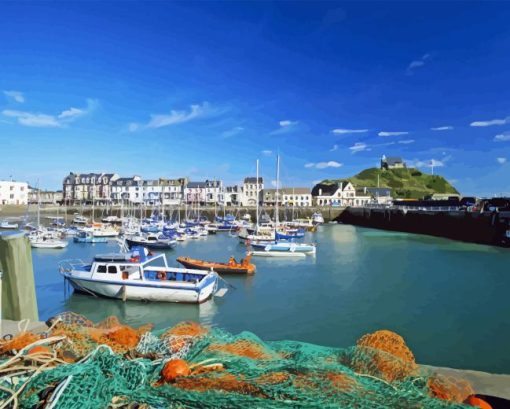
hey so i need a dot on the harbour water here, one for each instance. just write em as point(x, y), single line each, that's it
point(448, 299)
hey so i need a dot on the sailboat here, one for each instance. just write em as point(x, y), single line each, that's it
point(276, 248)
point(42, 238)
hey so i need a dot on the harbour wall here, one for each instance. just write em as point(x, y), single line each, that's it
point(329, 213)
point(483, 228)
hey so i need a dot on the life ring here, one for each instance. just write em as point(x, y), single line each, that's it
point(161, 275)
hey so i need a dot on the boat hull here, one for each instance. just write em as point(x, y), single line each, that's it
point(153, 246)
point(145, 291)
point(217, 267)
point(282, 254)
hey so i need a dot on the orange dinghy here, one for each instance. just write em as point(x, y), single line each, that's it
point(232, 267)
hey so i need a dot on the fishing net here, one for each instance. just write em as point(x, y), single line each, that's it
point(109, 364)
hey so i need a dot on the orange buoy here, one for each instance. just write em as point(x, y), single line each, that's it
point(476, 401)
point(39, 349)
point(174, 369)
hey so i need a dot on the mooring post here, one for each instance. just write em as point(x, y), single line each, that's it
point(18, 298)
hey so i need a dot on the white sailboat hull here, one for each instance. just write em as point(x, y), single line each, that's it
point(49, 244)
point(288, 254)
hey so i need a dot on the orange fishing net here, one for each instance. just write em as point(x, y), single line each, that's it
point(450, 389)
point(244, 348)
point(384, 354)
point(20, 341)
point(223, 382)
point(186, 328)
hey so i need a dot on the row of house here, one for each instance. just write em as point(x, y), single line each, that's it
point(13, 193)
point(110, 188)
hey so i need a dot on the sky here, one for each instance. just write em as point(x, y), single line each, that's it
point(204, 89)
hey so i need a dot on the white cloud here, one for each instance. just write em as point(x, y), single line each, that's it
point(436, 163)
point(273, 183)
point(33, 119)
point(71, 113)
point(442, 128)
point(359, 147)
point(385, 133)
point(178, 117)
point(285, 126)
point(323, 165)
point(501, 160)
point(417, 64)
point(287, 122)
point(406, 141)
point(340, 131)
point(17, 96)
point(491, 122)
point(334, 148)
point(232, 132)
point(36, 119)
point(503, 137)
point(133, 127)
point(267, 152)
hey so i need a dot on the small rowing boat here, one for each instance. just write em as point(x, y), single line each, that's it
point(232, 267)
point(278, 254)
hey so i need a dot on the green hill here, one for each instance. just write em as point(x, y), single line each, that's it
point(408, 183)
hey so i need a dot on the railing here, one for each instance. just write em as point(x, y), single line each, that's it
point(70, 264)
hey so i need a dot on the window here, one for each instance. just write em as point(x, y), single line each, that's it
point(101, 269)
point(112, 269)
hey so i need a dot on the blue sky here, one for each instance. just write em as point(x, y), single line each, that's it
point(204, 89)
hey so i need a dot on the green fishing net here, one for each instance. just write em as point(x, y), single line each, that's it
point(125, 369)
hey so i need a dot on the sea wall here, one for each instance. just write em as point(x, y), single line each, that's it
point(484, 228)
point(329, 213)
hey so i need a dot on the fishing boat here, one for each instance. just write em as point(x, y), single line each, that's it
point(290, 234)
point(8, 226)
point(232, 267)
point(151, 241)
point(138, 275)
point(88, 237)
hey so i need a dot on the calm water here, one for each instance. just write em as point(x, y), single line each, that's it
point(449, 300)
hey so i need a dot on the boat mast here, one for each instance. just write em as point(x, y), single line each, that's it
point(93, 196)
point(277, 192)
point(257, 201)
point(38, 205)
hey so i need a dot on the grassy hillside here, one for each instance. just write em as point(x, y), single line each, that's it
point(405, 183)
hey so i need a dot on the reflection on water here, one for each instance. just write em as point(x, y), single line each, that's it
point(448, 299)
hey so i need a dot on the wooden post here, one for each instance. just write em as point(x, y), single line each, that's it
point(18, 290)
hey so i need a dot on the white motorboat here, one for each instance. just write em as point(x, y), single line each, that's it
point(102, 230)
point(80, 219)
point(139, 276)
point(111, 219)
point(285, 247)
point(317, 218)
point(289, 254)
point(42, 241)
point(8, 226)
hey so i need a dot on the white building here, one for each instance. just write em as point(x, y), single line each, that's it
point(207, 192)
point(13, 193)
point(250, 188)
point(296, 196)
point(233, 195)
point(341, 193)
point(127, 190)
